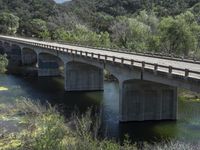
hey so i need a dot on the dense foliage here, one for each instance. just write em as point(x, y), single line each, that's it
point(140, 25)
point(3, 63)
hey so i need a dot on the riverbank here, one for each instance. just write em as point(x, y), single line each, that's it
point(29, 125)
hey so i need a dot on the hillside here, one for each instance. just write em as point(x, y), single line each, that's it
point(140, 25)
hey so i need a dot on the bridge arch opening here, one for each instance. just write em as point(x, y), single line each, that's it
point(81, 76)
point(7, 47)
point(2, 50)
point(29, 57)
point(14, 54)
point(50, 65)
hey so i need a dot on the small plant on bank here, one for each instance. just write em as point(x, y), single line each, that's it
point(3, 63)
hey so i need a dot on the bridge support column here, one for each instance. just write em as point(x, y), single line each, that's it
point(142, 100)
point(28, 57)
point(48, 68)
point(83, 77)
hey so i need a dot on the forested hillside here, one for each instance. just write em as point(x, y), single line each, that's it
point(140, 25)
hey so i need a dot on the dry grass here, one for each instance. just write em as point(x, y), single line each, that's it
point(43, 128)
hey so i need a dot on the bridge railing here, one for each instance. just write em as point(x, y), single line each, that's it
point(128, 51)
point(170, 70)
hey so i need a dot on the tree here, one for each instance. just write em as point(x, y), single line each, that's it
point(105, 39)
point(119, 31)
point(59, 34)
point(3, 63)
point(130, 33)
point(38, 28)
point(176, 34)
point(149, 18)
point(9, 23)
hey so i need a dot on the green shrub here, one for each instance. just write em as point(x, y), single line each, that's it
point(3, 63)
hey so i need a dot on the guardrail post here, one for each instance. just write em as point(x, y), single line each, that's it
point(155, 68)
point(143, 65)
point(92, 55)
point(122, 60)
point(187, 73)
point(99, 57)
point(81, 53)
point(170, 70)
point(132, 62)
point(113, 58)
point(105, 57)
point(86, 54)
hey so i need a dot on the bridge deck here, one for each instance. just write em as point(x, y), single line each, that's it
point(178, 67)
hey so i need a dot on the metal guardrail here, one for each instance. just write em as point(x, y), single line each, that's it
point(148, 54)
point(126, 51)
point(170, 70)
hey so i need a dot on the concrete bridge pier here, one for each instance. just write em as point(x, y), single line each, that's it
point(15, 55)
point(48, 65)
point(83, 77)
point(142, 100)
point(29, 57)
point(48, 68)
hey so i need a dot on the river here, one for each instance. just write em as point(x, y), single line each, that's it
point(187, 127)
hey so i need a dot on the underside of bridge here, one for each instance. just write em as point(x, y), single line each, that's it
point(49, 65)
point(83, 77)
point(2, 50)
point(7, 47)
point(143, 100)
point(29, 57)
point(14, 55)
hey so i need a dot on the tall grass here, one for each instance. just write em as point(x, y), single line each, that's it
point(44, 128)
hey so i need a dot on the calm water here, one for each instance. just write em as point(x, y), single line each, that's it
point(52, 90)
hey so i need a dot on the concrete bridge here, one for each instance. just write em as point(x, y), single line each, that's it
point(147, 83)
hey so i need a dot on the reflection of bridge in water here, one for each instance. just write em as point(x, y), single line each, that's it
point(147, 83)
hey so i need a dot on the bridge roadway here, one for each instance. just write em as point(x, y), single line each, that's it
point(187, 68)
point(147, 83)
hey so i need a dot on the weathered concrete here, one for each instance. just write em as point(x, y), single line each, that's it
point(48, 65)
point(142, 100)
point(29, 57)
point(83, 77)
point(47, 69)
point(14, 55)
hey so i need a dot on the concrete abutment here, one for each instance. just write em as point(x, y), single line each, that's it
point(83, 77)
point(49, 65)
point(144, 100)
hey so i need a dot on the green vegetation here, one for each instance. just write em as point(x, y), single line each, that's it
point(3, 63)
point(9, 23)
point(166, 26)
point(42, 127)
